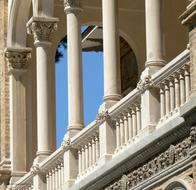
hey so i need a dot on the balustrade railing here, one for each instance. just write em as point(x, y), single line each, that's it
point(174, 83)
point(88, 148)
point(124, 119)
point(127, 119)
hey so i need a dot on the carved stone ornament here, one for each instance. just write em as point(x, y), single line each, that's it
point(72, 4)
point(66, 142)
point(17, 59)
point(42, 28)
point(35, 169)
point(102, 116)
point(147, 82)
point(171, 156)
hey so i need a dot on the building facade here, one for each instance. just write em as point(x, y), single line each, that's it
point(144, 136)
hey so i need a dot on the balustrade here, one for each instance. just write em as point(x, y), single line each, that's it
point(128, 125)
point(174, 90)
point(88, 154)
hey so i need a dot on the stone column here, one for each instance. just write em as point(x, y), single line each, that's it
point(42, 28)
point(154, 36)
point(150, 105)
point(75, 81)
point(189, 19)
point(17, 60)
point(112, 80)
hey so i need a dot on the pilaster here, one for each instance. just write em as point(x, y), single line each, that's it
point(17, 60)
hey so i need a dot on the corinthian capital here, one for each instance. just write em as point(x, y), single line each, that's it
point(72, 5)
point(17, 59)
point(42, 27)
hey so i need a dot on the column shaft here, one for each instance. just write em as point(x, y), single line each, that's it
point(112, 81)
point(75, 81)
point(154, 38)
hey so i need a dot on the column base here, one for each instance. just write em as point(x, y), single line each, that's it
point(73, 130)
point(16, 175)
point(106, 105)
point(41, 155)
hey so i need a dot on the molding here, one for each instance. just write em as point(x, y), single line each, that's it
point(42, 28)
point(171, 156)
point(72, 6)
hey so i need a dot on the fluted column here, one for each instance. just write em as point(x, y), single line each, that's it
point(17, 60)
point(154, 35)
point(112, 81)
point(75, 81)
point(42, 28)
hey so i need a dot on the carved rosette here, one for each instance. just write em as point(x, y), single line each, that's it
point(72, 5)
point(35, 169)
point(102, 116)
point(17, 59)
point(42, 28)
point(66, 143)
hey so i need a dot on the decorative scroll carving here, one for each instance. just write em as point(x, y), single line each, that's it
point(174, 154)
point(41, 29)
point(17, 59)
point(147, 82)
point(65, 144)
point(35, 169)
point(102, 116)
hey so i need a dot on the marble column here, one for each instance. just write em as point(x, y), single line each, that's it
point(189, 19)
point(42, 28)
point(154, 36)
point(17, 60)
point(75, 79)
point(112, 79)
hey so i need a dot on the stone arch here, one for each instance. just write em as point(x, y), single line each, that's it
point(179, 185)
point(19, 11)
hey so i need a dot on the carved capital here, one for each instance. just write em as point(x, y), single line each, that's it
point(72, 5)
point(42, 28)
point(17, 59)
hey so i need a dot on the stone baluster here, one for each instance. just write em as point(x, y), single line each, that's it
point(122, 135)
point(53, 178)
point(130, 124)
point(80, 161)
point(172, 93)
point(162, 100)
point(167, 98)
point(117, 134)
point(90, 152)
point(187, 82)
point(182, 87)
point(93, 151)
point(177, 90)
point(97, 147)
point(50, 180)
point(56, 177)
point(62, 173)
point(47, 182)
point(86, 157)
point(59, 176)
point(126, 129)
point(138, 118)
point(134, 122)
point(83, 159)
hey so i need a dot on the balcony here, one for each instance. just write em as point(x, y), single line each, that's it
point(117, 140)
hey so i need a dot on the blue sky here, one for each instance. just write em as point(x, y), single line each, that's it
point(93, 90)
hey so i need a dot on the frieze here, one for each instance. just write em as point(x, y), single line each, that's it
point(172, 155)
